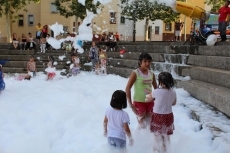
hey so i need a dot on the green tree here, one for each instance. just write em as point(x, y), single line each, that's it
point(150, 11)
point(216, 4)
point(70, 8)
point(8, 8)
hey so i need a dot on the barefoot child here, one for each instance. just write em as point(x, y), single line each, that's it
point(50, 68)
point(116, 121)
point(31, 68)
point(2, 83)
point(143, 79)
point(103, 57)
point(75, 66)
point(162, 118)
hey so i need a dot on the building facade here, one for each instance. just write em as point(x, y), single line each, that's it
point(109, 20)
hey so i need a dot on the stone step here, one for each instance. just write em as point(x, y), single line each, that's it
point(124, 63)
point(181, 49)
point(175, 58)
point(16, 52)
point(174, 69)
point(140, 43)
point(216, 96)
point(211, 75)
point(157, 57)
point(37, 57)
point(217, 50)
point(123, 72)
point(19, 70)
point(15, 57)
point(43, 65)
point(219, 62)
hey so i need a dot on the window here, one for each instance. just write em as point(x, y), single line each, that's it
point(54, 8)
point(168, 26)
point(30, 20)
point(78, 23)
point(122, 20)
point(20, 20)
point(112, 17)
point(157, 30)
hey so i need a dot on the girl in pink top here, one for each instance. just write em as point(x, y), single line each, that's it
point(162, 119)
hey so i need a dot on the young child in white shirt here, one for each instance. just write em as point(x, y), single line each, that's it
point(116, 121)
point(162, 119)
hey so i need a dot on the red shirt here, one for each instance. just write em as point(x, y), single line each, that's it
point(223, 11)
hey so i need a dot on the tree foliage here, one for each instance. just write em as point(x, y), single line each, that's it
point(141, 9)
point(9, 7)
point(216, 4)
point(69, 8)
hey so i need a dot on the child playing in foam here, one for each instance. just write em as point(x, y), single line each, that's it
point(162, 119)
point(116, 122)
point(143, 79)
point(31, 68)
point(103, 57)
point(75, 66)
point(50, 68)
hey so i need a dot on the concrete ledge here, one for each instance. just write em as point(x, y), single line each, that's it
point(219, 62)
point(16, 52)
point(157, 57)
point(15, 57)
point(222, 50)
point(210, 75)
point(214, 95)
point(169, 67)
point(182, 49)
point(124, 72)
point(124, 63)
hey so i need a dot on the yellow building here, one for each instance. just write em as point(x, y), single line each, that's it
point(109, 20)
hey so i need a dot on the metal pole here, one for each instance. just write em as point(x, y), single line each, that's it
point(134, 23)
point(134, 31)
point(185, 26)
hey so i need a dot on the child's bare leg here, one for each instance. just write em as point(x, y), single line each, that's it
point(14, 44)
point(165, 142)
point(141, 120)
point(157, 143)
point(148, 118)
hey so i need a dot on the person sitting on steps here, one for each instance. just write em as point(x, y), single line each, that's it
point(30, 42)
point(15, 41)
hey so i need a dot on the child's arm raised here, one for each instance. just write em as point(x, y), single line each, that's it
point(128, 133)
point(105, 126)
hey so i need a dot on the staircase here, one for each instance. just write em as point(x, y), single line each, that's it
point(19, 58)
point(210, 76)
